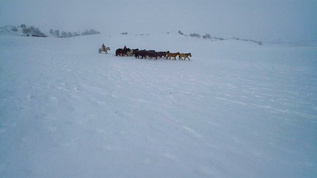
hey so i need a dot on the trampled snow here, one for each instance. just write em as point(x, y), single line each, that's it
point(235, 110)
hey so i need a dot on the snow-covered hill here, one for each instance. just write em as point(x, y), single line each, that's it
point(10, 30)
point(235, 110)
point(21, 30)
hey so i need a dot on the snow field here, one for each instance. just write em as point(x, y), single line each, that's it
point(234, 110)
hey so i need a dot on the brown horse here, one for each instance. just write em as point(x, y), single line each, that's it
point(185, 56)
point(123, 52)
point(172, 55)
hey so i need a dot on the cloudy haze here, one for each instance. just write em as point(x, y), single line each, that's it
point(266, 20)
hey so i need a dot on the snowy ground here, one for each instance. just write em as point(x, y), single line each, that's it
point(235, 110)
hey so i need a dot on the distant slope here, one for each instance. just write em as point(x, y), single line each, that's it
point(10, 30)
point(213, 38)
point(21, 30)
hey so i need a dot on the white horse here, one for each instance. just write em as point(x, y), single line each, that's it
point(104, 50)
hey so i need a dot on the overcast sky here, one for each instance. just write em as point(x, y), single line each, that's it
point(265, 20)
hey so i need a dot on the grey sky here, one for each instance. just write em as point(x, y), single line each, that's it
point(266, 20)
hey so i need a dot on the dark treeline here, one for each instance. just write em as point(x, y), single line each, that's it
point(63, 34)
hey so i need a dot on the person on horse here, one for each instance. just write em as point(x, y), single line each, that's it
point(103, 47)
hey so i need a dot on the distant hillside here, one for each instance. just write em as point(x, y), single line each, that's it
point(209, 37)
point(32, 31)
point(21, 30)
point(64, 34)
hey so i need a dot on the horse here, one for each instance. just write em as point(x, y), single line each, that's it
point(104, 50)
point(123, 52)
point(140, 53)
point(119, 52)
point(172, 55)
point(129, 52)
point(152, 54)
point(134, 51)
point(184, 56)
point(162, 54)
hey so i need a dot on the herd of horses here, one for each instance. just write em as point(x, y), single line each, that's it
point(150, 54)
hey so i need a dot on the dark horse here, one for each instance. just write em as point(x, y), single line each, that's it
point(122, 52)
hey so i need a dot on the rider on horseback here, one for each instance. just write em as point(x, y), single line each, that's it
point(103, 47)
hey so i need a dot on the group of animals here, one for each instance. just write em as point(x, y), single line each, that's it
point(152, 54)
